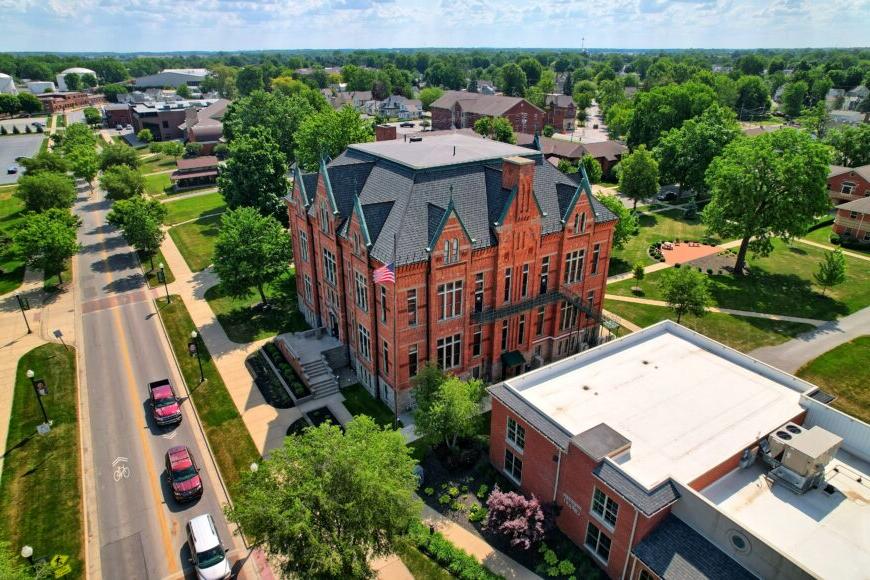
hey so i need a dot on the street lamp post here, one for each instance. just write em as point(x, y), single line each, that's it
point(38, 385)
point(162, 276)
point(27, 554)
point(24, 305)
point(193, 349)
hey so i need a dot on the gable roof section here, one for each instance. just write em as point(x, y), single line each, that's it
point(479, 103)
point(860, 205)
point(376, 215)
point(647, 502)
point(450, 209)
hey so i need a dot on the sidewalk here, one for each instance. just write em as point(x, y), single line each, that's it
point(176, 197)
point(49, 312)
point(622, 321)
point(663, 265)
point(830, 247)
point(747, 313)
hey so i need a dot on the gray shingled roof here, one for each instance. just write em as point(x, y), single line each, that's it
point(417, 197)
point(647, 502)
point(532, 416)
point(478, 103)
point(674, 551)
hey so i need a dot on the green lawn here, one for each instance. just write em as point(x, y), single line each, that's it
point(358, 401)
point(196, 240)
point(157, 184)
point(739, 332)
point(151, 275)
point(421, 566)
point(844, 372)
point(243, 324)
point(823, 236)
point(11, 216)
point(226, 432)
point(667, 225)
point(781, 283)
point(193, 207)
point(41, 490)
point(159, 162)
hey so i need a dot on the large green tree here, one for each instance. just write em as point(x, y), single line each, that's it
point(686, 291)
point(752, 97)
point(46, 190)
point(85, 163)
point(832, 270)
point(532, 68)
point(627, 226)
point(638, 175)
point(328, 133)
point(496, 128)
point(122, 182)
point(428, 96)
point(29, 103)
point(45, 161)
point(140, 220)
point(326, 503)
point(513, 80)
point(251, 251)
point(451, 412)
point(772, 185)
point(73, 81)
point(47, 240)
point(684, 153)
point(851, 145)
point(793, 95)
point(249, 79)
point(112, 91)
point(664, 108)
point(120, 154)
point(78, 135)
point(255, 174)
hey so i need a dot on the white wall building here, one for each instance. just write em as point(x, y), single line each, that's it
point(61, 82)
point(7, 85)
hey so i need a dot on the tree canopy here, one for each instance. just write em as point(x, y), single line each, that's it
point(627, 227)
point(328, 503)
point(255, 174)
point(140, 220)
point(122, 182)
point(496, 128)
point(772, 185)
point(451, 411)
point(685, 290)
point(45, 190)
point(664, 108)
point(851, 145)
point(328, 133)
point(120, 154)
point(638, 175)
point(47, 240)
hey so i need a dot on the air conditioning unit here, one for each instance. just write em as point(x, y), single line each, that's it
point(779, 439)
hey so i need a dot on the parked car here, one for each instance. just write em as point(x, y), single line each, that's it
point(667, 196)
point(165, 406)
point(129, 127)
point(11, 170)
point(207, 554)
point(119, 127)
point(38, 124)
point(183, 474)
point(406, 124)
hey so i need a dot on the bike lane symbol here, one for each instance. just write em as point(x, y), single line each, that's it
point(120, 469)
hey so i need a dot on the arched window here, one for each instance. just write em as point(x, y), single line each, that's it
point(455, 250)
point(446, 251)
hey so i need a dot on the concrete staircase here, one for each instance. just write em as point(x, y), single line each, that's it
point(318, 375)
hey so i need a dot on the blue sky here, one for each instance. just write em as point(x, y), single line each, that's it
point(163, 25)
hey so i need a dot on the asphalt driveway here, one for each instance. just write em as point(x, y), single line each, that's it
point(14, 146)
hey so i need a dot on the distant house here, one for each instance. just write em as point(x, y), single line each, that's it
point(165, 118)
point(854, 97)
point(7, 85)
point(777, 94)
point(834, 98)
point(461, 109)
point(205, 125)
point(852, 221)
point(607, 153)
point(751, 131)
point(356, 99)
point(173, 77)
point(846, 184)
point(65, 101)
point(561, 112)
point(720, 68)
point(118, 114)
point(195, 172)
point(843, 117)
point(401, 107)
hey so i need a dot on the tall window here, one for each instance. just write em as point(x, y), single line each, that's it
point(383, 303)
point(545, 274)
point(449, 351)
point(450, 299)
point(362, 291)
point(478, 292)
point(386, 358)
point(476, 340)
point(513, 466)
point(597, 542)
point(329, 266)
point(521, 333)
point(604, 507)
point(412, 307)
point(539, 321)
point(574, 266)
point(412, 360)
point(308, 292)
point(324, 218)
point(568, 316)
point(596, 253)
point(507, 284)
point(580, 223)
point(590, 297)
point(356, 243)
point(504, 335)
point(451, 251)
point(365, 342)
point(524, 281)
point(455, 257)
point(516, 434)
point(303, 246)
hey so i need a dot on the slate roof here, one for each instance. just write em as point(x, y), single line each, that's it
point(863, 171)
point(478, 103)
point(411, 201)
point(564, 101)
point(647, 502)
point(531, 415)
point(610, 150)
point(674, 551)
point(550, 146)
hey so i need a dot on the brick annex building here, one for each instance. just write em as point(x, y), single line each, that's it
point(501, 259)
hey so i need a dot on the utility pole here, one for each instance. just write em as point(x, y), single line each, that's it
point(24, 304)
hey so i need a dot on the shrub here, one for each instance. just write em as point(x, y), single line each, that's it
point(3, 130)
point(550, 557)
point(482, 491)
point(429, 491)
point(39, 129)
point(710, 271)
point(15, 130)
point(456, 506)
point(835, 239)
point(27, 129)
point(464, 489)
point(456, 561)
point(519, 519)
point(677, 265)
point(477, 513)
point(444, 499)
point(453, 491)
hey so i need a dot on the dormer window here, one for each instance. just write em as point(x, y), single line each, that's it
point(580, 223)
point(324, 219)
point(451, 251)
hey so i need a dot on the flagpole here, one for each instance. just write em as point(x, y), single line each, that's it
point(395, 337)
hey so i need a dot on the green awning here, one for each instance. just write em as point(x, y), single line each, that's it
point(513, 358)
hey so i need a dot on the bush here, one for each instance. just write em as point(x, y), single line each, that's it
point(482, 491)
point(429, 490)
point(453, 491)
point(456, 561)
point(477, 513)
point(39, 129)
point(836, 240)
point(444, 499)
point(677, 265)
point(519, 519)
point(155, 147)
point(15, 130)
point(710, 271)
point(3, 130)
point(27, 129)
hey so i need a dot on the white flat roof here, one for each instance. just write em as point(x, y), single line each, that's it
point(686, 403)
point(441, 150)
point(829, 535)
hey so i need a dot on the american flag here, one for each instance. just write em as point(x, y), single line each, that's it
point(385, 274)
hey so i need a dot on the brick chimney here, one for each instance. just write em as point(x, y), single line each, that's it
point(385, 133)
point(519, 172)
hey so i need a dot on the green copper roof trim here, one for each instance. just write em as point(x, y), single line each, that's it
point(328, 185)
point(357, 208)
point(582, 187)
point(437, 233)
point(297, 178)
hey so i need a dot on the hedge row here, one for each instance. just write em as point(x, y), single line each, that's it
point(456, 561)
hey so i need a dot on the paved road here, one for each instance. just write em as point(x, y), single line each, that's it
point(11, 148)
point(792, 355)
point(136, 530)
point(77, 116)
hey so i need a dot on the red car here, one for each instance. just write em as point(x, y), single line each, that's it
point(183, 474)
point(165, 406)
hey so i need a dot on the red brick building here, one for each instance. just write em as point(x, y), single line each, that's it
point(60, 102)
point(561, 112)
point(118, 114)
point(460, 110)
point(500, 259)
point(847, 184)
point(852, 221)
point(664, 468)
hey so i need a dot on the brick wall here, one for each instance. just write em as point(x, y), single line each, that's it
point(835, 187)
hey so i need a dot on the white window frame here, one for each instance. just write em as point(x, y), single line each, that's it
point(450, 300)
point(309, 294)
point(513, 464)
point(329, 267)
point(449, 351)
point(574, 266)
point(303, 245)
point(362, 291)
point(515, 435)
point(848, 188)
point(604, 507)
point(593, 549)
point(412, 307)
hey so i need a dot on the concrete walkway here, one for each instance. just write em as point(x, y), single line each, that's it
point(829, 247)
point(792, 355)
point(747, 313)
point(188, 195)
point(49, 312)
point(663, 265)
point(622, 321)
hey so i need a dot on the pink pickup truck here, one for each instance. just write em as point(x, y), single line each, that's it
point(165, 406)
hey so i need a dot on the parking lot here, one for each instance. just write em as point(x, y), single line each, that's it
point(12, 147)
point(22, 123)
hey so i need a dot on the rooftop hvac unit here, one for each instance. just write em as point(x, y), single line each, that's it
point(808, 454)
point(782, 436)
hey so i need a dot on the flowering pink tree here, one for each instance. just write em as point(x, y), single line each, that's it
point(519, 519)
